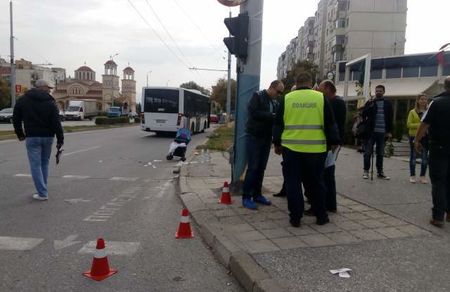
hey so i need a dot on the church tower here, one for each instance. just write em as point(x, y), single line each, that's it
point(110, 80)
point(129, 89)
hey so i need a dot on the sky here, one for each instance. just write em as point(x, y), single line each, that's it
point(162, 39)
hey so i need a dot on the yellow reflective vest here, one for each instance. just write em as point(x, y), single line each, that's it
point(304, 122)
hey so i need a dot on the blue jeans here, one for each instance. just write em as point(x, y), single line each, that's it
point(258, 150)
point(39, 150)
point(378, 139)
point(423, 156)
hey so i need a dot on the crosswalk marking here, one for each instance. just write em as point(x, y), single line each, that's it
point(23, 175)
point(19, 243)
point(112, 248)
point(119, 178)
point(76, 176)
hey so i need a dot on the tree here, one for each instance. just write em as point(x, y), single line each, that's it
point(219, 93)
point(193, 85)
point(5, 94)
point(300, 66)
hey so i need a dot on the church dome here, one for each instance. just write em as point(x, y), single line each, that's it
point(85, 68)
point(111, 63)
point(128, 70)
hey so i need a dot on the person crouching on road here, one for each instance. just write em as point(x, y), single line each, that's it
point(304, 123)
point(40, 115)
point(261, 113)
point(413, 123)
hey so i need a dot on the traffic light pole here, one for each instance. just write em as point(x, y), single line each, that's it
point(248, 81)
point(229, 85)
point(13, 65)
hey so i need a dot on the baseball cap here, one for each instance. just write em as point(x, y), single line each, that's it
point(42, 83)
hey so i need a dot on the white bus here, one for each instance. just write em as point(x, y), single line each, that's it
point(163, 108)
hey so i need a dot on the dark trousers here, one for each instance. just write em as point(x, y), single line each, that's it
point(258, 150)
point(306, 168)
point(330, 186)
point(440, 183)
point(423, 156)
point(377, 139)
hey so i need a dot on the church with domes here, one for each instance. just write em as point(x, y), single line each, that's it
point(107, 93)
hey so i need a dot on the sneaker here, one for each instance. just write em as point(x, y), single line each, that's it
point(423, 180)
point(383, 176)
point(262, 200)
point(412, 179)
point(39, 197)
point(366, 175)
point(322, 221)
point(249, 204)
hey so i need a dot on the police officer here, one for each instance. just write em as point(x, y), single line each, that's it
point(304, 126)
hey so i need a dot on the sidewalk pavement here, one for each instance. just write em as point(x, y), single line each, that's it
point(381, 231)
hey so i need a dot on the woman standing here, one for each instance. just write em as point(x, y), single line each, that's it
point(413, 124)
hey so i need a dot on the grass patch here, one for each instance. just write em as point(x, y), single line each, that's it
point(221, 139)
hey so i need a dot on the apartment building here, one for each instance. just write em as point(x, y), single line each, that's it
point(348, 29)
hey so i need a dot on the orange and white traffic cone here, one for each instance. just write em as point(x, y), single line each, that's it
point(184, 229)
point(100, 267)
point(225, 198)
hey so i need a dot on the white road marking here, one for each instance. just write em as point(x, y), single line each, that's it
point(163, 189)
point(109, 209)
point(76, 176)
point(157, 160)
point(68, 241)
point(81, 150)
point(22, 175)
point(119, 178)
point(77, 200)
point(112, 248)
point(19, 243)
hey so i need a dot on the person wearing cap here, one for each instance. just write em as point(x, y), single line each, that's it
point(40, 116)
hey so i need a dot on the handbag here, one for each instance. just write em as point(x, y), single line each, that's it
point(363, 130)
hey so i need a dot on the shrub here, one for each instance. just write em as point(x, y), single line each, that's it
point(111, 121)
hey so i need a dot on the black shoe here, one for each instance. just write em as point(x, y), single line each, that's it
point(295, 223)
point(322, 221)
point(383, 176)
point(308, 212)
point(331, 210)
point(281, 194)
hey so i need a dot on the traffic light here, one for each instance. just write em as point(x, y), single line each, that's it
point(237, 44)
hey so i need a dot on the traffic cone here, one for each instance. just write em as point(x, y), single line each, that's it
point(100, 267)
point(184, 229)
point(225, 198)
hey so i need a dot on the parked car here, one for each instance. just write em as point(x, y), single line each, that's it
point(6, 115)
point(213, 118)
point(114, 111)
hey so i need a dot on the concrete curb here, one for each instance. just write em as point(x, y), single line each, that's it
point(245, 269)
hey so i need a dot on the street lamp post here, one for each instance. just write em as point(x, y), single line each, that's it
point(149, 72)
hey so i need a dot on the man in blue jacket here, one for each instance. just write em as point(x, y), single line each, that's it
point(40, 115)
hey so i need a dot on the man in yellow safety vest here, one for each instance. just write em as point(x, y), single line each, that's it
point(304, 130)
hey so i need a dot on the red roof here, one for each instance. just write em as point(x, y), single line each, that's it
point(85, 68)
point(111, 62)
point(128, 69)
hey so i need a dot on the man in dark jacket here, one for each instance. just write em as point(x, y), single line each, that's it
point(261, 113)
point(40, 115)
point(379, 115)
point(436, 121)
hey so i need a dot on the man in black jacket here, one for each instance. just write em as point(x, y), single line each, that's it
point(379, 115)
point(436, 121)
point(261, 113)
point(40, 115)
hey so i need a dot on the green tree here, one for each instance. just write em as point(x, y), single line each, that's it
point(300, 66)
point(5, 94)
point(193, 85)
point(219, 93)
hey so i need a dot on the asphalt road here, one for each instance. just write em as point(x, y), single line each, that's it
point(114, 184)
point(9, 127)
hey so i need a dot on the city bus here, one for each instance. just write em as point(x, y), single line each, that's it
point(163, 108)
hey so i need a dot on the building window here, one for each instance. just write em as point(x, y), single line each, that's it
point(376, 74)
point(393, 73)
point(428, 71)
point(410, 72)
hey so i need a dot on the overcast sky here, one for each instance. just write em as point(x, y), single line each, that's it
point(175, 35)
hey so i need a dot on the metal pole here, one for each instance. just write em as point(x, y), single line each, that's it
point(248, 82)
point(13, 66)
point(229, 85)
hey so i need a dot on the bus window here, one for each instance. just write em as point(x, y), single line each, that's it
point(161, 101)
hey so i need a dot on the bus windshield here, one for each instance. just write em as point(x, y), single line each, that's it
point(161, 101)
